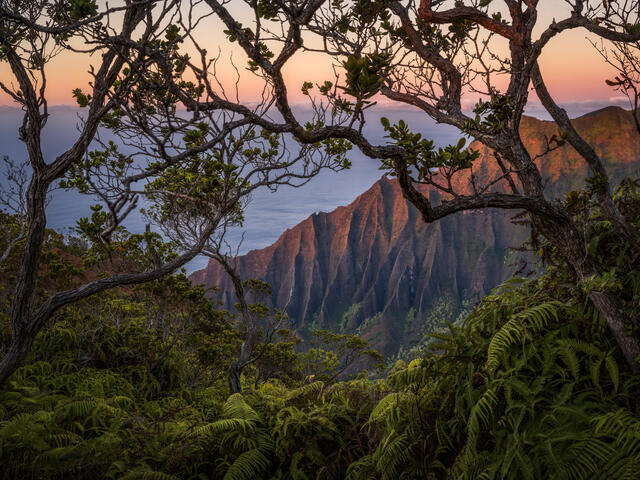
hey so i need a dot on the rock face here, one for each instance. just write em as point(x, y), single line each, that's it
point(375, 268)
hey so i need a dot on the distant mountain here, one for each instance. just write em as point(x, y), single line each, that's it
point(375, 268)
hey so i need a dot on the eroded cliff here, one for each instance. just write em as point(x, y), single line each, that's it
point(374, 267)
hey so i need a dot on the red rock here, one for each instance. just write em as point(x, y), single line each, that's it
point(377, 252)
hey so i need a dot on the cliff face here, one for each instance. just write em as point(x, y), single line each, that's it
point(375, 268)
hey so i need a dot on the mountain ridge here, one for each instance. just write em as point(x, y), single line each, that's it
point(373, 267)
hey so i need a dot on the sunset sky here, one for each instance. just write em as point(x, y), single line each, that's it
point(573, 69)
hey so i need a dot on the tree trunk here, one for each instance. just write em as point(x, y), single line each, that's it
point(234, 378)
point(235, 370)
point(22, 333)
point(618, 322)
point(251, 336)
point(14, 359)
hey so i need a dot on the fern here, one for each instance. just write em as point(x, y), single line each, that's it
point(481, 415)
point(521, 325)
point(382, 408)
point(236, 407)
point(393, 455)
point(250, 464)
point(246, 427)
point(623, 427)
point(306, 391)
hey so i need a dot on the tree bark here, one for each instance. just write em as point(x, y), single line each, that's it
point(234, 378)
point(618, 322)
point(14, 359)
point(244, 359)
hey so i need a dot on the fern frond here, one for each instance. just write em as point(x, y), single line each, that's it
point(481, 415)
point(383, 407)
point(613, 370)
point(236, 407)
point(307, 390)
point(362, 469)
point(569, 357)
point(393, 454)
point(533, 319)
point(409, 377)
point(623, 426)
point(246, 427)
point(250, 464)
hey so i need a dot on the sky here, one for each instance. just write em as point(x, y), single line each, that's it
point(573, 69)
